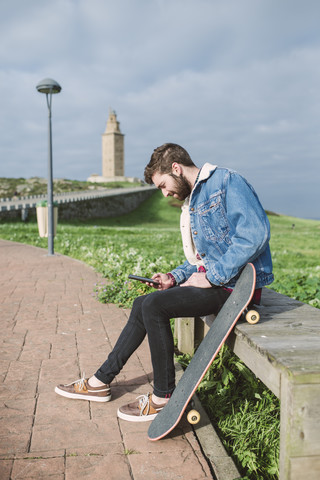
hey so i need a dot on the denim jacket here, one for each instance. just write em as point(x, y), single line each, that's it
point(229, 229)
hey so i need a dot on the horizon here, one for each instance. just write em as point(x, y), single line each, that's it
point(235, 83)
point(270, 212)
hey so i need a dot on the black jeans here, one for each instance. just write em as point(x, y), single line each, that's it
point(151, 315)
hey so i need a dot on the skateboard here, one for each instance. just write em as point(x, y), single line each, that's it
point(236, 305)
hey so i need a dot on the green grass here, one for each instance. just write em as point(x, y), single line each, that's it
point(148, 240)
point(295, 254)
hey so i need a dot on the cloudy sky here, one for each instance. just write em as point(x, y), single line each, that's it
point(236, 82)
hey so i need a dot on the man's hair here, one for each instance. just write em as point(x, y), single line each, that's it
point(162, 159)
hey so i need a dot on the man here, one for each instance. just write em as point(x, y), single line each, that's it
point(223, 227)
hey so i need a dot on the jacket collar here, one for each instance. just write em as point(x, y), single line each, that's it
point(206, 171)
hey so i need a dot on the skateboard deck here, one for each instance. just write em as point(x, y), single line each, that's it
point(167, 419)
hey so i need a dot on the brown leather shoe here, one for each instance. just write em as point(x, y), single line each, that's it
point(142, 410)
point(81, 390)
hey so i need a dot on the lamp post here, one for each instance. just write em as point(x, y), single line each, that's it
point(49, 86)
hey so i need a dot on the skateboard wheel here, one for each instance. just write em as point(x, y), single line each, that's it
point(252, 317)
point(193, 417)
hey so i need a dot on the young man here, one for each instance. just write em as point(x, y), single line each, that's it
point(223, 227)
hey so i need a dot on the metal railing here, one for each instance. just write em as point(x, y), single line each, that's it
point(31, 201)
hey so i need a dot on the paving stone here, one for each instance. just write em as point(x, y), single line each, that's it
point(61, 350)
point(13, 391)
point(41, 454)
point(105, 448)
point(55, 371)
point(39, 353)
point(23, 371)
point(9, 352)
point(14, 443)
point(5, 469)
point(35, 468)
point(88, 367)
point(12, 339)
point(172, 465)
point(102, 412)
point(67, 326)
point(15, 424)
point(92, 357)
point(111, 467)
point(55, 409)
point(74, 434)
point(4, 367)
point(11, 345)
point(86, 340)
point(91, 325)
point(18, 389)
point(37, 337)
point(142, 444)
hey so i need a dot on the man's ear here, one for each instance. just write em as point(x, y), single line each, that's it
point(176, 169)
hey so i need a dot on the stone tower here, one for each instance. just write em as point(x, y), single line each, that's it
point(112, 148)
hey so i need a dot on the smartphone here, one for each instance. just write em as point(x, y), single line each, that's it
point(143, 279)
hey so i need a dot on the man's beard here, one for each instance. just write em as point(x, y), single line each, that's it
point(182, 187)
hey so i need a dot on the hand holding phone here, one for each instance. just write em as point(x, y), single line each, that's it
point(144, 279)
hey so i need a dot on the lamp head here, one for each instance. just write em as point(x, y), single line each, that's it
point(47, 85)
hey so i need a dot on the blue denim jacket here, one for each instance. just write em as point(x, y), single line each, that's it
point(229, 229)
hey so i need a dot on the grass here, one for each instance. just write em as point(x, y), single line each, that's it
point(148, 240)
point(295, 253)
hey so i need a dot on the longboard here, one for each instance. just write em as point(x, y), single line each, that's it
point(168, 418)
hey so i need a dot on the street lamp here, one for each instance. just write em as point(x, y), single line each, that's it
point(49, 86)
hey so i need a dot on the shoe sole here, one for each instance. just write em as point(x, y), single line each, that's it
point(76, 396)
point(136, 418)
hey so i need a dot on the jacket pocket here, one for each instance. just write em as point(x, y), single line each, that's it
point(213, 220)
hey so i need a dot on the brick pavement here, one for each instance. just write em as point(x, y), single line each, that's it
point(53, 329)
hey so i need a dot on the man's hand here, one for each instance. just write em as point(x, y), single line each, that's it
point(197, 279)
point(163, 279)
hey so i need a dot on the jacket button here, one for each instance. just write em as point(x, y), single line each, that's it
point(203, 255)
point(195, 232)
point(192, 209)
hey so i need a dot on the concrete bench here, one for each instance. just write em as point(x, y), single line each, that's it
point(283, 351)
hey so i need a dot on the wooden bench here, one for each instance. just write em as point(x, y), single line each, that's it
point(283, 351)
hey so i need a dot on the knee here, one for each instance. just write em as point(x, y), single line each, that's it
point(150, 306)
point(150, 300)
point(137, 303)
